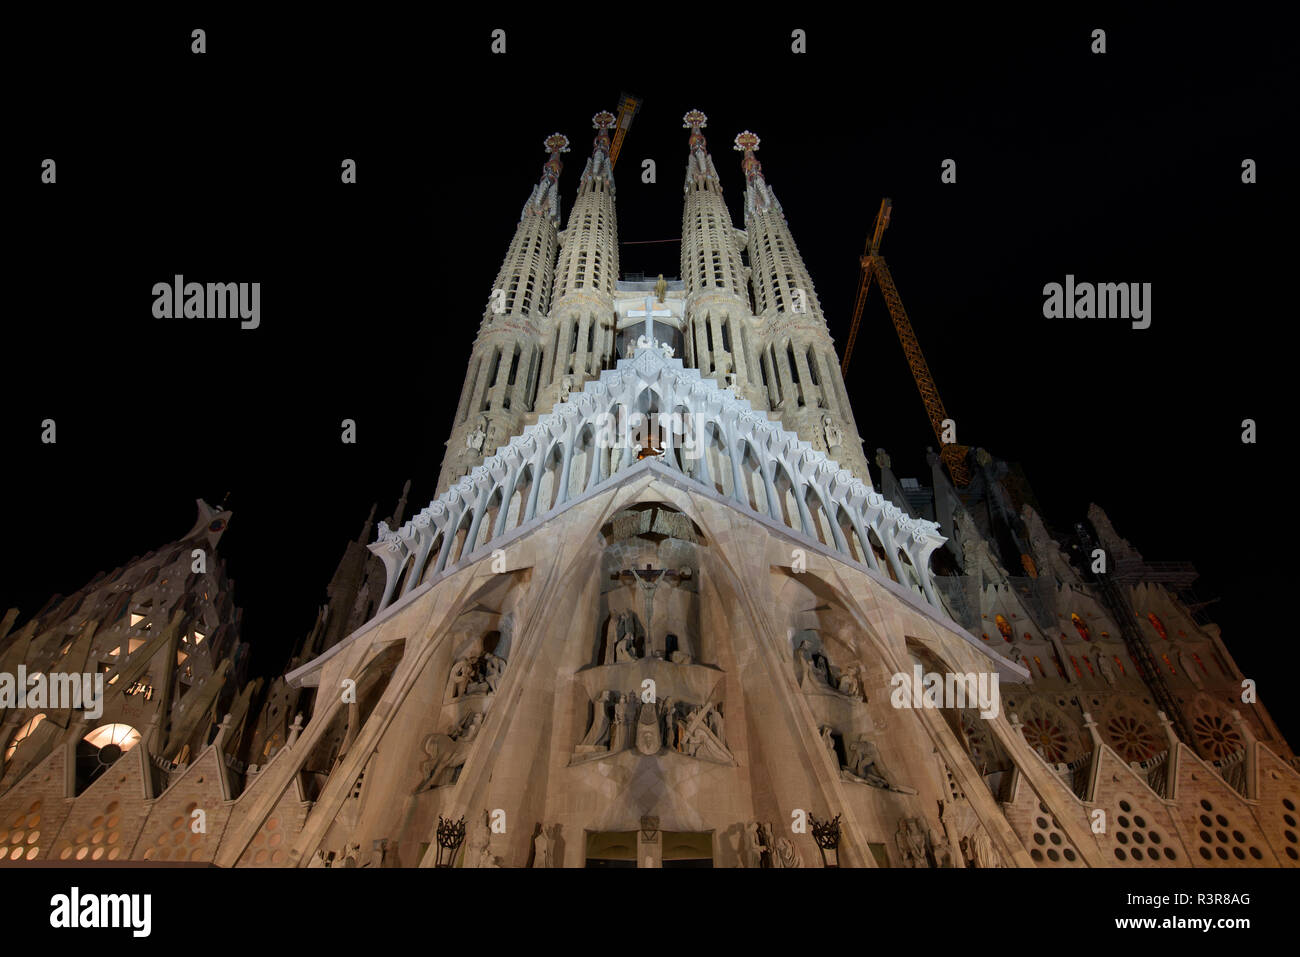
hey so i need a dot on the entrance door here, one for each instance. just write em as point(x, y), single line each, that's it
point(687, 849)
point(611, 849)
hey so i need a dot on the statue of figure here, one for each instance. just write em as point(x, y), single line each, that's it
point(787, 853)
point(803, 662)
point(812, 665)
point(882, 459)
point(942, 850)
point(1189, 668)
point(649, 736)
point(697, 740)
point(834, 437)
point(715, 724)
point(474, 440)
point(755, 850)
point(866, 766)
point(912, 833)
point(821, 670)
point(772, 858)
point(661, 288)
point(666, 349)
point(625, 638)
point(542, 845)
point(609, 646)
point(597, 738)
point(982, 852)
point(492, 670)
point(461, 673)
point(851, 683)
point(618, 737)
point(352, 856)
point(668, 718)
point(447, 752)
point(1106, 668)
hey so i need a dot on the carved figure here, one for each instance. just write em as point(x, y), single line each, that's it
point(597, 738)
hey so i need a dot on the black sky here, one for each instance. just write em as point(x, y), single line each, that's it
point(1116, 168)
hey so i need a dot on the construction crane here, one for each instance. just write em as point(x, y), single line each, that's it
point(628, 107)
point(873, 266)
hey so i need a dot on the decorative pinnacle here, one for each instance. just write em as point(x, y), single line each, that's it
point(556, 143)
point(694, 120)
point(604, 120)
point(746, 142)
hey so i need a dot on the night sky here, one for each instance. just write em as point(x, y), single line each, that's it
point(1123, 167)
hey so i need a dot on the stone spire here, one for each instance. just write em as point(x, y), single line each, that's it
point(700, 171)
point(799, 367)
point(758, 195)
point(545, 200)
point(719, 328)
point(501, 382)
point(578, 335)
point(599, 171)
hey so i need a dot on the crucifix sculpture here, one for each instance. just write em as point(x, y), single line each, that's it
point(648, 580)
point(649, 313)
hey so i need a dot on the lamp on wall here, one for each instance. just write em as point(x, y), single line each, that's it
point(827, 836)
point(451, 834)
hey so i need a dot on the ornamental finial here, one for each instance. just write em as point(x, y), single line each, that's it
point(694, 120)
point(746, 142)
point(556, 143)
point(604, 120)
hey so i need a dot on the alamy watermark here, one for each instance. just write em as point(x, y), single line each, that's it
point(212, 300)
point(950, 690)
point(75, 910)
point(78, 692)
point(1103, 300)
point(647, 432)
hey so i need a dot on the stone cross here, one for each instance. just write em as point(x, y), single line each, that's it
point(649, 313)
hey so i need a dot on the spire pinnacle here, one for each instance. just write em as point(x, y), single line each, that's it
point(699, 168)
point(545, 200)
point(758, 195)
point(598, 167)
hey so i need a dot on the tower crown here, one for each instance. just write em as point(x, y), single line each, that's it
point(699, 168)
point(545, 199)
point(599, 169)
point(758, 195)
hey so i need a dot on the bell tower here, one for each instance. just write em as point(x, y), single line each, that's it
point(798, 361)
point(501, 380)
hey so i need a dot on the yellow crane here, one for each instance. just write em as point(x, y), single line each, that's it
point(873, 266)
point(628, 107)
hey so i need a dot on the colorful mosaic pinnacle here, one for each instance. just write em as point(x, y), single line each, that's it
point(747, 142)
point(694, 120)
point(604, 120)
point(556, 143)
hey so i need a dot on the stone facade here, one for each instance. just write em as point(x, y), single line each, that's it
point(661, 647)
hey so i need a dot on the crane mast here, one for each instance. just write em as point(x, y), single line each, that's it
point(628, 107)
point(874, 268)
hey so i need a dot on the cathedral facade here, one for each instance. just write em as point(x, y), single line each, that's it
point(661, 613)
